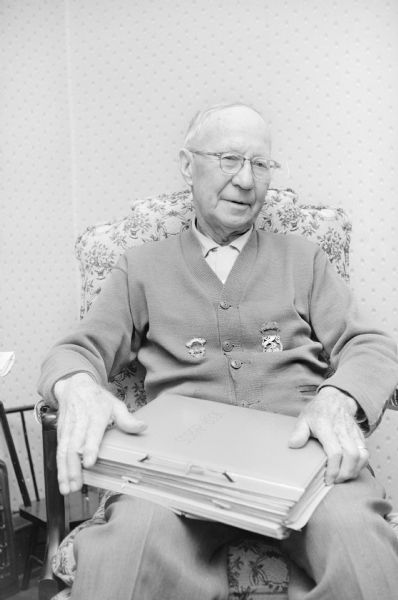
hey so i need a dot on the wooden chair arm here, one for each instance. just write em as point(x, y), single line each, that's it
point(49, 584)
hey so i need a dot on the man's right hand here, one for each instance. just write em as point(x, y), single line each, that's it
point(85, 411)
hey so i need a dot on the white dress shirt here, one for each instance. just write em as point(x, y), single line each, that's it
point(221, 258)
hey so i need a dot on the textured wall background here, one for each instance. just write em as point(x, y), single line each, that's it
point(95, 102)
point(38, 278)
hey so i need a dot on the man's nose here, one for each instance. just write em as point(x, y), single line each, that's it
point(244, 177)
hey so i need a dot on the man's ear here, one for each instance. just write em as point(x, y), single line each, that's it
point(186, 165)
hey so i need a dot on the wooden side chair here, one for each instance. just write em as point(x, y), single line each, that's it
point(256, 568)
point(80, 506)
point(8, 561)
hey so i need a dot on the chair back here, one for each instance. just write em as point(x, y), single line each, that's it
point(151, 219)
point(20, 411)
point(8, 563)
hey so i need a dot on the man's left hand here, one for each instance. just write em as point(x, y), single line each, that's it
point(330, 418)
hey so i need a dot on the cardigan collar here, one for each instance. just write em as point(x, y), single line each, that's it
point(233, 289)
point(208, 244)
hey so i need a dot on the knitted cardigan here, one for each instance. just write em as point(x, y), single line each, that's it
point(198, 337)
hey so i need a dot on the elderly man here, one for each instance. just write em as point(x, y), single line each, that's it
point(230, 314)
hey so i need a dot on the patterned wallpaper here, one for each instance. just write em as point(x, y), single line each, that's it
point(95, 102)
point(38, 277)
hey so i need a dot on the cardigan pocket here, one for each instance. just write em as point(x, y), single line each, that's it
point(308, 389)
point(307, 392)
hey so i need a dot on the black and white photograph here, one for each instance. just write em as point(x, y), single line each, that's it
point(199, 300)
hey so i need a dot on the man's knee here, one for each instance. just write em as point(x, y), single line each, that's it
point(135, 517)
point(352, 508)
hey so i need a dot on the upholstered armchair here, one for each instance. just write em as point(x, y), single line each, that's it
point(255, 566)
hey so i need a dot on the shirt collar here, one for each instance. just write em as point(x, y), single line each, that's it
point(207, 243)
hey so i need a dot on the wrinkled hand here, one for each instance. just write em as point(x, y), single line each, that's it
point(85, 411)
point(330, 418)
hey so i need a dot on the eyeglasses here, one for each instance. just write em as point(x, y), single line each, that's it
point(232, 163)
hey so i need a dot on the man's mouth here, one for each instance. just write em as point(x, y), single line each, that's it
point(239, 202)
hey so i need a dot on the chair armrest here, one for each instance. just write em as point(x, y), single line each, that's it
point(49, 584)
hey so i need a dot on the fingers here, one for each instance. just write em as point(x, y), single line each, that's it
point(73, 457)
point(71, 436)
point(85, 410)
point(300, 435)
point(62, 462)
point(330, 418)
point(125, 420)
point(355, 455)
point(122, 418)
point(345, 450)
point(92, 441)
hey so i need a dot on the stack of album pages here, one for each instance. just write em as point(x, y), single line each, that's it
point(215, 461)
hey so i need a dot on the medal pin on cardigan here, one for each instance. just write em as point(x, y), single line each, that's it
point(271, 341)
point(196, 348)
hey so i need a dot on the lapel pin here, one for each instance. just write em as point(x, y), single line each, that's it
point(271, 341)
point(196, 348)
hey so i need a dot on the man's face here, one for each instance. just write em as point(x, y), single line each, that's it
point(227, 205)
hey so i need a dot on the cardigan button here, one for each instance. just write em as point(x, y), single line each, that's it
point(225, 305)
point(227, 346)
point(236, 364)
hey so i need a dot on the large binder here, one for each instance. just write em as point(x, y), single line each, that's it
point(217, 461)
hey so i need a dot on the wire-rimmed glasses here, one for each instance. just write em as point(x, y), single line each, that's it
point(232, 163)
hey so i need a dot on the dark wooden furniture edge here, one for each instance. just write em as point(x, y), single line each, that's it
point(49, 584)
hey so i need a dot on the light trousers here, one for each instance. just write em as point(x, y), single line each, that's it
point(146, 552)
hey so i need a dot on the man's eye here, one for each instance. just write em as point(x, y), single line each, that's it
point(231, 158)
point(260, 163)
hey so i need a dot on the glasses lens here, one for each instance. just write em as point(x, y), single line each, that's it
point(230, 163)
point(261, 168)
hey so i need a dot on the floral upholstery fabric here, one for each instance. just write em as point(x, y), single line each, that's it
point(256, 568)
point(153, 219)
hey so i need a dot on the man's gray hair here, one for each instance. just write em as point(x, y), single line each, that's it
point(196, 124)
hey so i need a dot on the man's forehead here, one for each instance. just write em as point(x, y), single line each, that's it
point(239, 122)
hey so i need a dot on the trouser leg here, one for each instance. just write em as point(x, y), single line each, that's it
point(146, 552)
point(347, 551)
